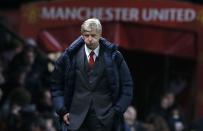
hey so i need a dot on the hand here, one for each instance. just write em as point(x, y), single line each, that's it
point(66, 118)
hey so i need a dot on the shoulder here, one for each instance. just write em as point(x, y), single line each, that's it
point(74, 46)
point(107, 45)
point(112, 49)
point(117, 54)
point(62, 58)
point(118, 57)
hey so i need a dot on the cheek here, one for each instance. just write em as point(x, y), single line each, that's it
point(86, 40)
point(96, 39)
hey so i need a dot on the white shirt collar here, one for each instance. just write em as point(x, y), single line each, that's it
point(88, 51)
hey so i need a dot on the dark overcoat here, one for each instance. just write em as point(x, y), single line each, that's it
point(117, 72)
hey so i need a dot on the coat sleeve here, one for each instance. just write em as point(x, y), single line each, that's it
point(126, 86)
point(57, 86)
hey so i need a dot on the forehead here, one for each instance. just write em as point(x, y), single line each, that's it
point(91, 32)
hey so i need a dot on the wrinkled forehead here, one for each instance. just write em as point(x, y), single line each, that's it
point(91, 31)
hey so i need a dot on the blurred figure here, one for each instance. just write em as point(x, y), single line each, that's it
point(11, 49)
point(176, 121)
point(132, 124)
point(34, 123)
point(15, 79)
point(49, 122)
point(156, 123)
point(18, 99)
point(170, 112)
point(167, 102)
point(2, 79)
point(44, 103)
point(3, 125)
point(24, 59)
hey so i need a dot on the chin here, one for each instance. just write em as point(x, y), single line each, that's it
point(90, 47)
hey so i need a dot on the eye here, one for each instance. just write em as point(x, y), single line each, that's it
point(93, 35)
point(86, 35)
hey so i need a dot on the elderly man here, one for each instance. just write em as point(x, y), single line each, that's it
point(91, 83)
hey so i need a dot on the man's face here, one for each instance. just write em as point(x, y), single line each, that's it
point(91, 39)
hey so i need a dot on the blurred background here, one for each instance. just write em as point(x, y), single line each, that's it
point(161, 41)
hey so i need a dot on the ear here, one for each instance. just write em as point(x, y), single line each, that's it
point(99, 36)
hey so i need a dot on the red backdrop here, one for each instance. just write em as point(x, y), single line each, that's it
point(170, 28)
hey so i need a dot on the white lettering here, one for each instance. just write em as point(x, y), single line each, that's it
point(97, 12)
point(160, 15)
point(133, 14)
point(146, 15)
point(180, 15)
point(70, 13)
point(172, 14)
point(190, 15)
point(59, 14)
point(48, 13)
point(108, 16)
point(119, 14)
point(124, 14)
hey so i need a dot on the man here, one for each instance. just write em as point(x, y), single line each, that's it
point(91, 83)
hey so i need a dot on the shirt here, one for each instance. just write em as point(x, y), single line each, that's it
point(88, 51)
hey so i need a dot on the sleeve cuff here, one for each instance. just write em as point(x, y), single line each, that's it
point(62, 112)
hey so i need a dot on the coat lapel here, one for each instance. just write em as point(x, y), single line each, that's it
point(81, 65)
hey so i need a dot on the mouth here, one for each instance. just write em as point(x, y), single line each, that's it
point(90, 43)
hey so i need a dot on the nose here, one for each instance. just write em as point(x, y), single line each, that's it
point(90, 38)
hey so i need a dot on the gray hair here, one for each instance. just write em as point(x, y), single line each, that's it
point(91, 24)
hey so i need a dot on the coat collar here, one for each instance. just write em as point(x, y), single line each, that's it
point(79, 42)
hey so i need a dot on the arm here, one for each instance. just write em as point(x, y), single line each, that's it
point(57, 86)
point(126, 86)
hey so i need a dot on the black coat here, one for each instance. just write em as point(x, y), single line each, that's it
point(118, 74)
